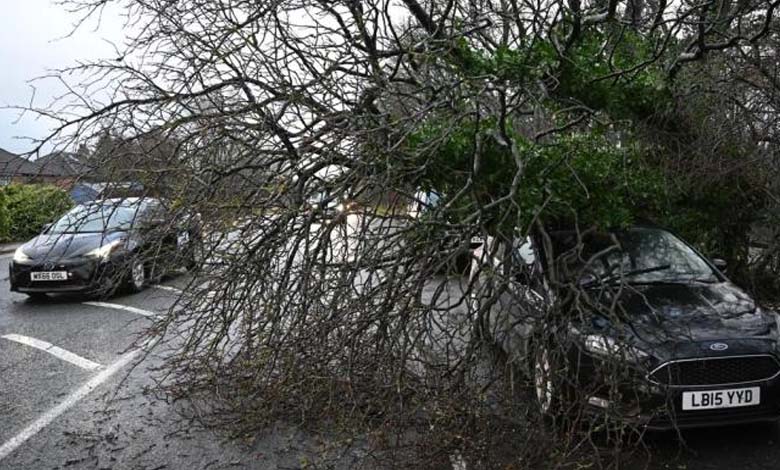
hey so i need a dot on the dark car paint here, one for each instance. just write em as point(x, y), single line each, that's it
point(56, 246)
point(673, 320)
point(66, 251)
point(682, 321)
point(669, 321)
point(87, 276)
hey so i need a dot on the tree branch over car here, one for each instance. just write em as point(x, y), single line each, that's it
point(301, 131)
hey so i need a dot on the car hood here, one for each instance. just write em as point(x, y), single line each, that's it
point(58, 246)
point(685, 319)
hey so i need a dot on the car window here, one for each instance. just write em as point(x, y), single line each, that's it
point(642, 254)
point(96, 218)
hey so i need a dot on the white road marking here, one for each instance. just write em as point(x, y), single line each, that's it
point(55, 351)
point(138, 311)
point(48, 417)
point(168, 288)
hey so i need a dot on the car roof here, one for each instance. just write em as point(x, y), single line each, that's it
point(123, 201)
point(139, 204)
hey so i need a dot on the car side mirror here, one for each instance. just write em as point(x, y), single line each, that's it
point(720, 263)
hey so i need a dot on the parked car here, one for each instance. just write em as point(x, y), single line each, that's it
point(104, 245)
point(330, 206)
point(454, 252)
point(692, 349)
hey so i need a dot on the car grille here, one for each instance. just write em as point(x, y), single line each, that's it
point(717, 371)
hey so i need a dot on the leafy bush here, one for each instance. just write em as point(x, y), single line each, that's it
point(581, 175)
point(26, 208)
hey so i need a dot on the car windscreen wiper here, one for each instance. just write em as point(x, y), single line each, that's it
point(634, 272)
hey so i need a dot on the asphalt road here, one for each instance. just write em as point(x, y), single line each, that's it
point(81, 402)
point(751, 447)
point(61, 408)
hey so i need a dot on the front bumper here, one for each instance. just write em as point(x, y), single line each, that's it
point(672, 416)
point(652, 406)
point(84, 275)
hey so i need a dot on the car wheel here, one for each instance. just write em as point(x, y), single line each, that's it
point(136, 276)
point(462, 263)
point(553, 392)
point(191, 264)
point(193, 256)
point(544, 390)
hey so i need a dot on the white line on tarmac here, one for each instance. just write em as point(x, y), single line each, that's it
point(55, 351)
point(48, 417)
point(168, 288)
point(138, 311)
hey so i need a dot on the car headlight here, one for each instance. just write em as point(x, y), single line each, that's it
point(606, 346)
point(349, 206)
point(105, 251)
point(20, 256)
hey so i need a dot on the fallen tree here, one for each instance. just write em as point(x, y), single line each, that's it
point(317, 299)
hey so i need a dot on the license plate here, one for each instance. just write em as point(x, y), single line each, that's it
point(49, 276)
point(729, 398)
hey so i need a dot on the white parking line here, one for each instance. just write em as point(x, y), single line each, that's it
point(168, 288)
point(49, 416)
point(138, 311)
point(55, 351)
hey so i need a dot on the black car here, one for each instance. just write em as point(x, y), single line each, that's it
point(680, 344)
point(101, 246)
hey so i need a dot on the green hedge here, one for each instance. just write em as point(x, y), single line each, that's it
point(26, 208)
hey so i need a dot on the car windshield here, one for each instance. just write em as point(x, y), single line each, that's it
point(637, 255)
point(96, 218)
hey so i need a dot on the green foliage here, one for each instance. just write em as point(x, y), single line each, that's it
point(587, 177)
point(531, 59)
point(615, 74)
point(26, 208)
point(612, 72)
point(5, 217)
point(717, 216)
point(581, 175)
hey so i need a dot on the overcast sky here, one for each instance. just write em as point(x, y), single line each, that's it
point(31, 34)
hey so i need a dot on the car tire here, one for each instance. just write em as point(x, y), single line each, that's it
point(193, 256)
point(462, 263)
point(136, 276)
point(191, 264)
point(552, 389)
point(543, 381)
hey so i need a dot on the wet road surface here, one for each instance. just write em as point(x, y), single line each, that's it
point(72, 392)
point(51, 350)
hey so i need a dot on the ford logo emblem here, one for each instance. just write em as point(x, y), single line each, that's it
point(719, 346)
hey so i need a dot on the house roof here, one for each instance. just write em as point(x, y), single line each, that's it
point(14, 165)
point(62, 164)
